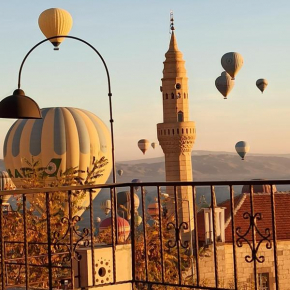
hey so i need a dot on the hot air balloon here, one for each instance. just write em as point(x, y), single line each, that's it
point(120, 172)
point(65, 138)
point(6, 184)
point(98, 220)
point(143, 145)
point(53, 22)
point(124, 204)
point(136, 180)
point(232, 62)
point(224, 84)
point(122, 225)
point(106, 206)
point(153, 145)
point(262, 84)
point(242, 148)
point(137, 220)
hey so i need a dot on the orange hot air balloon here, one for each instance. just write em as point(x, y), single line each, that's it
point(143, 145)
point(53, 22)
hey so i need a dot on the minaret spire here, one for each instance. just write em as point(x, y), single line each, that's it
point(176, 134)
point(171, 22)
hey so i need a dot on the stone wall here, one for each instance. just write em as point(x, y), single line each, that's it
point(245, 270)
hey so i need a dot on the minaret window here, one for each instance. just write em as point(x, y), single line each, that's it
point(178, 86)
point(172, 96)
point(180, 116)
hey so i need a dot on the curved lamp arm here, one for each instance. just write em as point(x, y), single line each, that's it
point(108, 79)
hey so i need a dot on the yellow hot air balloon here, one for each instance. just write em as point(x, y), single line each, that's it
point(53, 22)
point(224, 84)
point(64, 138)
point(143, 145)
point(232, 62)
point(262, 84)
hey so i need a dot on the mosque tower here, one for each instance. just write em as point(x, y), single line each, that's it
point(176, 134)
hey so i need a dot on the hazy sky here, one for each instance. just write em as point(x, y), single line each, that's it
point(133, 37)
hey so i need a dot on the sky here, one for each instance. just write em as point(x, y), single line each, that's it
point(133, 36)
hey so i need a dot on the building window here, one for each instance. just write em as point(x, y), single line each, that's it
point(263, 281)
point(166, 96)
point(172, 96)
point(164, 132)
point(172, 131)
point(182, 131)
point(185, 95)
point(186, 131)
point(160, 132)
point(168, 132)
point(177, 131)
point(180, 116)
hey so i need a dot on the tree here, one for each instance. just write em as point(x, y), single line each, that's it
point(36, 226)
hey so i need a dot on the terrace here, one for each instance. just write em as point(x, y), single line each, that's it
point(244, 245)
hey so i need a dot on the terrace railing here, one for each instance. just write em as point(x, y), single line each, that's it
point(163, 235)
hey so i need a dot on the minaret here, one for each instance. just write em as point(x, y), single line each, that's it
point(176, 134)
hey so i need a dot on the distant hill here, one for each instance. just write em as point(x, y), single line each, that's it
point(206, 165)
point(212, 166)
point(209, 165)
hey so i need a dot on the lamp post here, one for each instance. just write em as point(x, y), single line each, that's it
point(19, 106)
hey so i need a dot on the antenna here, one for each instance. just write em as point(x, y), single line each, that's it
point(171, 21)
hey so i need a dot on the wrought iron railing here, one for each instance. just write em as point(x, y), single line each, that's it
point(171, 238)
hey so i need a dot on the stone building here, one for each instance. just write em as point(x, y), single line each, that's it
point(176, 134)
point(263, 224)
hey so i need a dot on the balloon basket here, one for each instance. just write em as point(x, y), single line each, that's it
point(56, 48)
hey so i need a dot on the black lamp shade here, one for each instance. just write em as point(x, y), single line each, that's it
point(19, 106)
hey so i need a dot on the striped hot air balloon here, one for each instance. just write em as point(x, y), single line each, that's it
point(53, 22)
point(123, 229)
point(124, 204)
point(64, 138)
point(242, 148)
point(143, 145)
